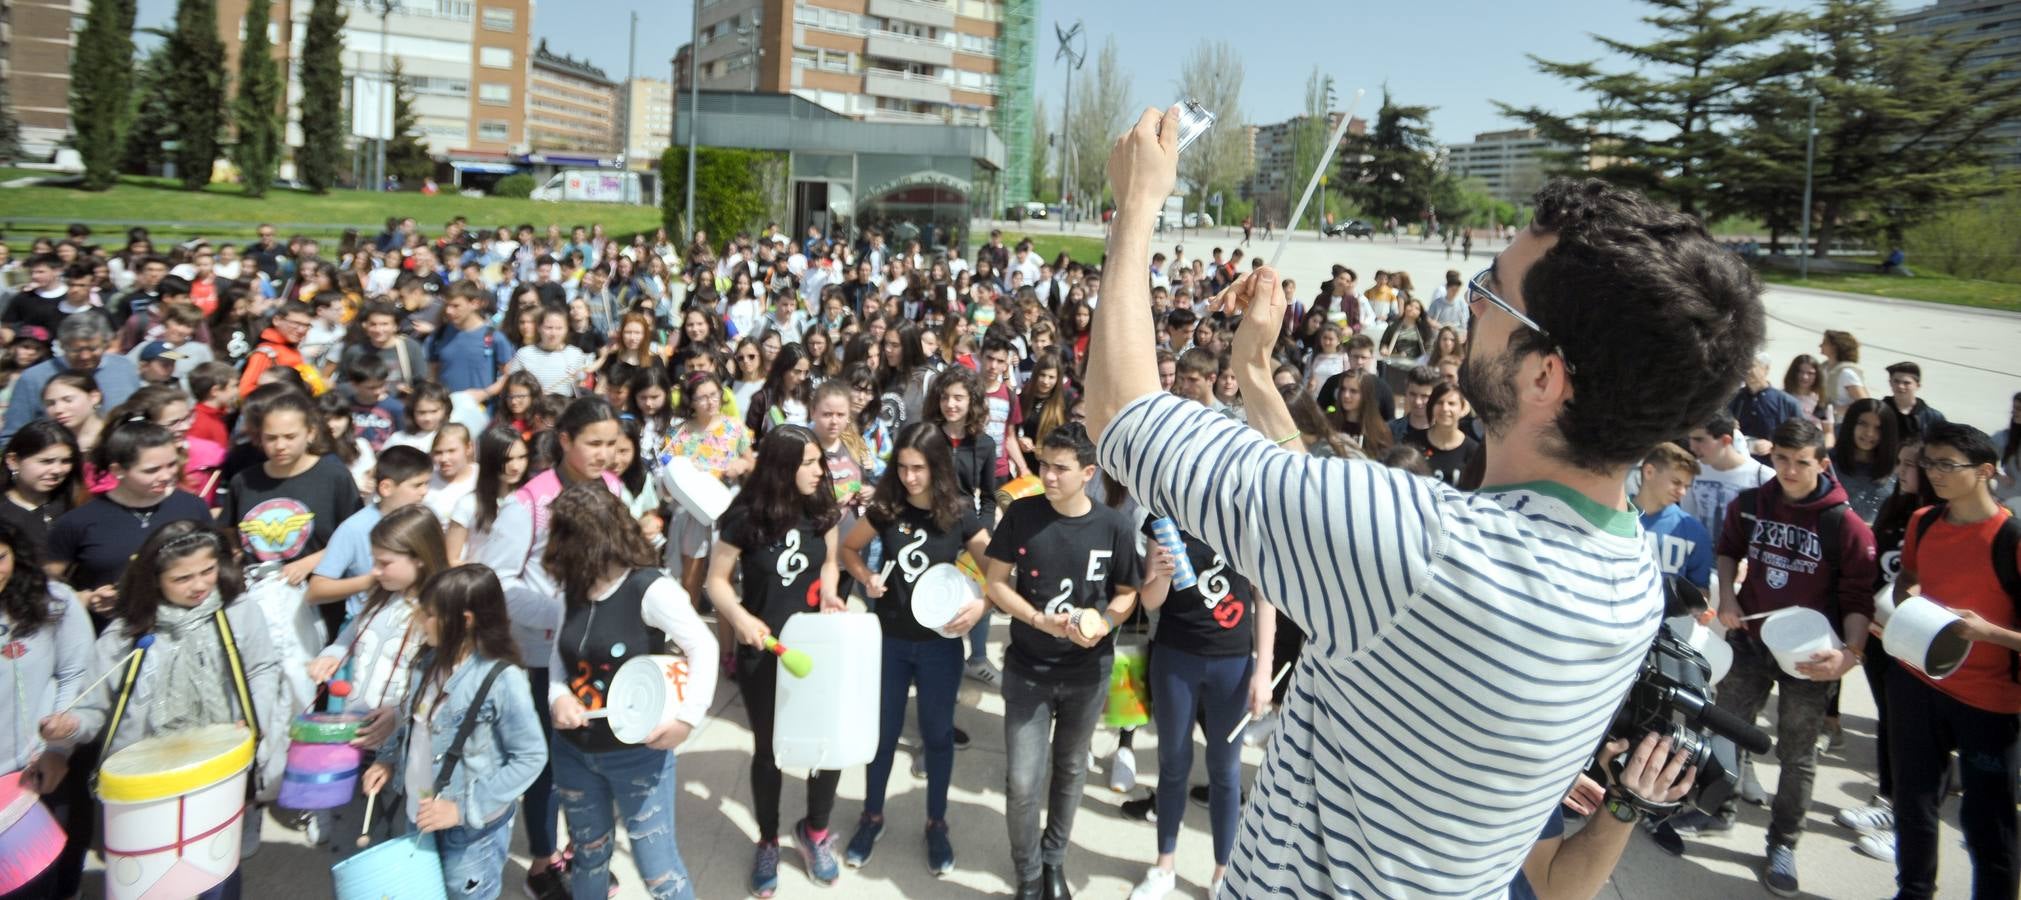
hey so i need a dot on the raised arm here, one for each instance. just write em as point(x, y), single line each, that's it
point(1122, 353)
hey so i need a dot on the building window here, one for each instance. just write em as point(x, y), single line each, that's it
point(498, 19)
point(494, 57)
point(494, 93)
point(494, 130)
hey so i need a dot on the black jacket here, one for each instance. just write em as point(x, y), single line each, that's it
point(975, 471)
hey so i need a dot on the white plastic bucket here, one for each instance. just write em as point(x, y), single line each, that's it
point(698, 492)
point(644, 695)
point(1924, 636)
point(174, 812)
point(939, 596)
point(1709, 644)
point(1793, 634)
point(829, 720)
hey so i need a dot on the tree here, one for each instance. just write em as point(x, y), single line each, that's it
point(257, 113)
point(10, 130)
point(153, 115)
point(1101, 105)
point(1392, 169)
point(322, 106)
point(101, 80)
point(735, 190)
point(197, 80)
point(406, 157)
point(1219, 160)
point(1308, 143)
point(1043, 182)
point(1656, 121)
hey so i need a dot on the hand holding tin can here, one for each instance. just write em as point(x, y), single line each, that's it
point(1167, 533)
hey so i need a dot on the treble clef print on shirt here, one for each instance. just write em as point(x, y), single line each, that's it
point(1064, 600)
point(911, 559)
point(791, 562)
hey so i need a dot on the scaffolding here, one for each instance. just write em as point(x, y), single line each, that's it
point(1014, 108)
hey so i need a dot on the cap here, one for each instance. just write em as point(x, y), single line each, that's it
point(153, 350)
point(33, 333)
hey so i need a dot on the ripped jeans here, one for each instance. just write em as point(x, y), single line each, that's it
point(637, 783)
point(473, 859)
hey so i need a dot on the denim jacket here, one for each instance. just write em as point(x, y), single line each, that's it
point(504, 754)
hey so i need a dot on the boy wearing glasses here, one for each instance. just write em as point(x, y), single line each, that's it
point(1962, 553)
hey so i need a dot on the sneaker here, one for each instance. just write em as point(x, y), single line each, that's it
point(1877, 844)
point(1123, 770)
point(1142, 809)
point(960, 739)
point(312, 828)
point(868, 828)
point(765, 870)
point(818, 856)
point(547, 884)
point(1778, 874)
point(1878, 817)
point(1751, 790)
point(1198, 794)
point(1665, 837)
point(1157, 884)
point(981, 670)
point(939, 852)
point(612, 892)
point(919, 764)
point(1699, 822)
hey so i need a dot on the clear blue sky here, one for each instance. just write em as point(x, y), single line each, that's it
point(1457, 56)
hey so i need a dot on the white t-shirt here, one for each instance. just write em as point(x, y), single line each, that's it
point(444, 496)
point(1847, 377)
point(1713, 491)
point(556, 370)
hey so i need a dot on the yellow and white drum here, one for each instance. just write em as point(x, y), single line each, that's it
point(174, 806)
point(1019, 488)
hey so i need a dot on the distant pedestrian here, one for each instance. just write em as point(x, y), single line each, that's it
point(1467, 245)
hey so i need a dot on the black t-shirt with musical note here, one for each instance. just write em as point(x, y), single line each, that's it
point(1062, 563)
point(781, 577)
point(913, 543)
point(1213, 616)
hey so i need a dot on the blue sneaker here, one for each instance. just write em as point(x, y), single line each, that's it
point(939, 853)
point(868, 828)
point(819, 856)
point(1779, 874)
point(765, 870)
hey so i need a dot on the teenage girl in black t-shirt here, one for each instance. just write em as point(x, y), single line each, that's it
point(924, 521)
point(780, 530)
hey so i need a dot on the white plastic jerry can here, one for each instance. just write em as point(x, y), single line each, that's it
point(829, 719)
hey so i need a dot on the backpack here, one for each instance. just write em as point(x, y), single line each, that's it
point(2005, 543)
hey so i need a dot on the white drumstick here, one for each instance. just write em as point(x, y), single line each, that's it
point(365, 834)
point(1324, 158)
point(597, 714)
point(145, 641)
point(885, 575)
point(1274, 682)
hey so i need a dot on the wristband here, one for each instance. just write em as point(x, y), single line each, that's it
point(1287, 439)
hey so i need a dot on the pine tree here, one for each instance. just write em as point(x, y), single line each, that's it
point(10, 130)
point(406, 157)
point(1392, 169)
point(197, 80)
point(153, 116)
point(101, 80)
point(322, 74)
point(1655, 120)
point(256, 112)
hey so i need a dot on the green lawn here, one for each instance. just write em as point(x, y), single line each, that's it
point(1927, 287)
point(1049, 244)
point(224, 210)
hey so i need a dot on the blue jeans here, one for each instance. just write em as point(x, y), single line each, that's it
point(473, 859)
point(541, 812)
point(978, 638)
point(640, 785)
point(1047, 727)
point(1181, 684)
point(935, 666)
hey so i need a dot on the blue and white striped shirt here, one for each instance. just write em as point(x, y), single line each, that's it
point(1465, 652)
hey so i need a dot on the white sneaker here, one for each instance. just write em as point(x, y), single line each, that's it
point(981, 670)
point(919, 764)
point(1123, 770)
point(1157, 884)
point(1877, 844)
point(1878, 817)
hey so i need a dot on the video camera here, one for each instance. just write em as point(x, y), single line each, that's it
point(1672, 698)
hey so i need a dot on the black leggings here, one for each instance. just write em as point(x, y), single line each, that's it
point(758, 679)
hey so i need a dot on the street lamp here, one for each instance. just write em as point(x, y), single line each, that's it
point(1809, 154)
point(694, 107)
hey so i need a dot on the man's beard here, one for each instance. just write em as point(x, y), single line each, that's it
point(1490, 387)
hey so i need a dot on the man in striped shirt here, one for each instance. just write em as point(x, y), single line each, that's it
point(1466, 652)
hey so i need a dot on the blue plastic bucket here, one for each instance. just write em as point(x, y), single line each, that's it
point(404, 868)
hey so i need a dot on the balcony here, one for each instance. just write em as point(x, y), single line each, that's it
point(924, 12)
point(906, 116)
point(906, 48)
point(905, 86)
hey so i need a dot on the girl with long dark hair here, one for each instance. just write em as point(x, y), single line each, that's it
point(718, 445)
point(49, 657)
point(619, 607)
point(286, 508)
point(955, 407)
point(90, 546)
point(42, 477)
point(501, 469)
point(1863, 456)
point(1447, 447)
point(780, 531)
point(785, 396)
point(1045, 398)
point(923, 521)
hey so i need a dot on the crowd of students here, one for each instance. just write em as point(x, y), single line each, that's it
point(451, 450)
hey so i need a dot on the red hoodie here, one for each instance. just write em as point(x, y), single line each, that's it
point(1786, 562)
point(274, 350)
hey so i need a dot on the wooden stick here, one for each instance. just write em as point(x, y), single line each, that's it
point(365, 833)
point(1274, 682)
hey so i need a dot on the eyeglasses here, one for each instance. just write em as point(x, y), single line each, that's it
point(1948, 467)
point(1477, 288)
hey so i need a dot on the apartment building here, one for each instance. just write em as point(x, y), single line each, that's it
point(1978, 20)
point(36, 37)
point(1273, 184)
point(1511, 165)
point(571, 106)
point(649, 121)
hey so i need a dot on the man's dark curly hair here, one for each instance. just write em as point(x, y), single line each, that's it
point(1657, 318)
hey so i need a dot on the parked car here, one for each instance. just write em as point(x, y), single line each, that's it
point(1199, 220)
point(1028, 210)
point(1352, 228)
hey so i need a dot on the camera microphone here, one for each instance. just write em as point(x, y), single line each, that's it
point(1742, 732)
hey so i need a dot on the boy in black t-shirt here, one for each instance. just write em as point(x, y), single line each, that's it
point(1066, 570)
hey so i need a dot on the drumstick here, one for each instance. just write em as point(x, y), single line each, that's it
point(365, 833)
point(885, 575)
point(1274, 682)
point(211, 482)
point(597, 714)
point(1324, 158)
point(145, 641)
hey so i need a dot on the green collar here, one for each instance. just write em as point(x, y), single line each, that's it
point(1617, 522)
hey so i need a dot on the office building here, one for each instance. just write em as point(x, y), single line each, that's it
point(1978, 20)
point(571, 106)
point(1274, 185)
point(36, 37)
point(1510, 165)
point(649, 121)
